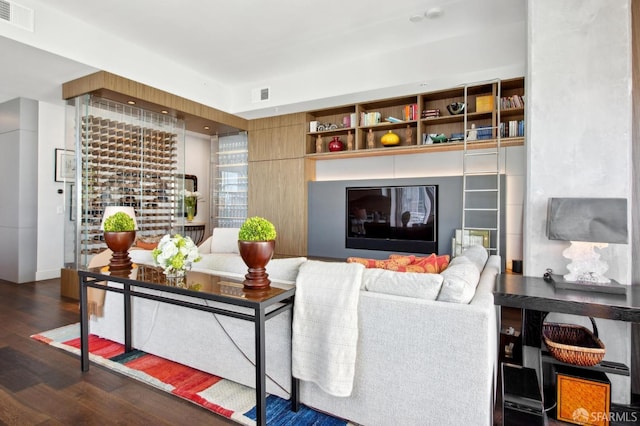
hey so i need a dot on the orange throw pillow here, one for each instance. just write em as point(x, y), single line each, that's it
point(383, 264)
point(369, 263)
point(432, 264)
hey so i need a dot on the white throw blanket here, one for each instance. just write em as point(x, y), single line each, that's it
point(325, 325)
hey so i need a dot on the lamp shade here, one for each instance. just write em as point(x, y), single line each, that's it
point(111, 210)
point(595, 220)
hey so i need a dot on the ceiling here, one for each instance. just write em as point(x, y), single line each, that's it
point(237, 42)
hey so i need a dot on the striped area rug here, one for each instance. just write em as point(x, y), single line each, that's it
point(224, 397)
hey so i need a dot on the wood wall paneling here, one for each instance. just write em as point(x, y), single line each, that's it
point(277, 142)
point(120, 89)
point(278, 192)
point(278, 121)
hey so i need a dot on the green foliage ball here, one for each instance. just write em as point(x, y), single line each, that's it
point(257, 229)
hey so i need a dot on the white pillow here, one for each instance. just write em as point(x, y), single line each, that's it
point(460, 281)
point(225, 240)
point(408, 284)
point(477, 254)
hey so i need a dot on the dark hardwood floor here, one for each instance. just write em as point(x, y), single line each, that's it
point(40, 384)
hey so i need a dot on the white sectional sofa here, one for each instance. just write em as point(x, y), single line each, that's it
point(420, 360)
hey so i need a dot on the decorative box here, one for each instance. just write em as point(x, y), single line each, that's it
point(484, 103)
point(584, 396)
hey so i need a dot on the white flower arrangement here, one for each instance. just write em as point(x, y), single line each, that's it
point(175, 253)
point(190, 197)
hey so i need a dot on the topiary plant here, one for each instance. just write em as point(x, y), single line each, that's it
point(119, 222)
point(257, 229)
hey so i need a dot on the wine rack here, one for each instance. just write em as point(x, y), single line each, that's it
point(129, 157)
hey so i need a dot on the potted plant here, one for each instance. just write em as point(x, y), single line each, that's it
point(256, 242)
point(119, 234)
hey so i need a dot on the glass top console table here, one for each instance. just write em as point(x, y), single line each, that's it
point(229, 291)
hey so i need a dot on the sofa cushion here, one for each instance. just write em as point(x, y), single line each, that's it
point(477, 254)
point(460, 280)
point(408, 284)
point(225, 240)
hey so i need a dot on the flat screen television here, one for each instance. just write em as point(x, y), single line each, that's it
point(393, 218)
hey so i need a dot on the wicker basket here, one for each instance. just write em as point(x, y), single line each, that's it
point(573, 344)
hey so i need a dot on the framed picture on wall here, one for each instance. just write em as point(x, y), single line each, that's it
point(65, 166)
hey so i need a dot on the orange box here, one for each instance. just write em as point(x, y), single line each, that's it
point(484, 103)
point(584, 397)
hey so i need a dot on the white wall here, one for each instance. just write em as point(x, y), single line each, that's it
point(579, 133)
point(18, 172)
point(440, 164)
point(51, 208)
point(197, 162)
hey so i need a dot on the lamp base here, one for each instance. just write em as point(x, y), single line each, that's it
point(613, 287)
point(585, 266)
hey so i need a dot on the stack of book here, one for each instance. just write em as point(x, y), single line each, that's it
point(369, 118)
point(431, 113)
point(515, 101)
point(512, 129)
point(484, 132)
point(410, 112)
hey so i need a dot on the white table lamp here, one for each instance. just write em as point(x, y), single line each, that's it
point(587, 223)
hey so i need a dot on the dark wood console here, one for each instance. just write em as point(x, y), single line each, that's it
point(537, 297)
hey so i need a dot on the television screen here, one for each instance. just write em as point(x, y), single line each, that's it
point(393, 218)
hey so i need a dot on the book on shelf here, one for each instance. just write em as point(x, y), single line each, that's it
point(484, 132)
point(393, 120)
point(410, 112)
point(509, 102)
point(431, 113)
point(512, 129)
point(369, 118)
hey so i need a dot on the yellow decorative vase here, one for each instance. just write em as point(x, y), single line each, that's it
point(390, 139)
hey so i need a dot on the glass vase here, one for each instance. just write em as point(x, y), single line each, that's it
point(190, 212)
point(176, 278)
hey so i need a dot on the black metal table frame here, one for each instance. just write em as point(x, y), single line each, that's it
point(260, 316)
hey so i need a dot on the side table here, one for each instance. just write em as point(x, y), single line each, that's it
point(194, 230)
point(536, 297)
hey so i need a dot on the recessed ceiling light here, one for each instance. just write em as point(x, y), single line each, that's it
point(164, 111)
point(433, 13)
point(206, 127)
point(416, 18)
point(131, 102)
